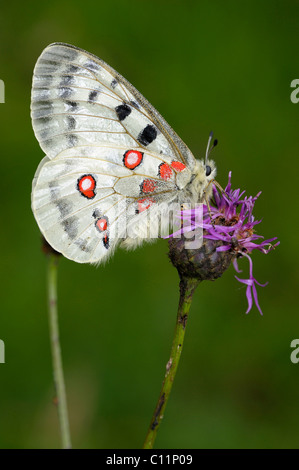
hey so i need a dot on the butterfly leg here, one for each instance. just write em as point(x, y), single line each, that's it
point(220, 188)
point(209, 207)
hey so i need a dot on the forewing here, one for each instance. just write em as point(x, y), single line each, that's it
point(78, 99)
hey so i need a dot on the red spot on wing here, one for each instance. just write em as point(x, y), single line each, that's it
point(144, 204)
point(101, 224)
point(132, 158)
point(178, 166)
point(148, 186)
point(86, 185)
point(165, 172)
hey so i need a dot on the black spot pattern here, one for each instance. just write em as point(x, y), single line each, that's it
point(147, 135)
point(92, 96)
point(71, 122)
point(96, 213)
point(114, 83)
point(72, 140)
point(123, 111)
point(72, 105)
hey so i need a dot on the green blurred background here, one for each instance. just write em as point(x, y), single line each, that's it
point(225, 66)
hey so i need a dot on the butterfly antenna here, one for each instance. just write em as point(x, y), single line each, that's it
point(209, 150)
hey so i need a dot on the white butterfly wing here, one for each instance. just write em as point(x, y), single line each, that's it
point(110, 155)
point(78, 98)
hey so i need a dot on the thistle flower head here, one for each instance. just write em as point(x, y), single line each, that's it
point(228, 233)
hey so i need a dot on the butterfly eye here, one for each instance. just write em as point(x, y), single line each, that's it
point(208, 170)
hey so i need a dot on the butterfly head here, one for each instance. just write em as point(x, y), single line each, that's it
point(204, 172)
point(200, 184)
point(209, 167)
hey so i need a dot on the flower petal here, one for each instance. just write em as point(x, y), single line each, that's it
point(235, 264)
point(249, 298)
point(223, 248)
point(256, 299)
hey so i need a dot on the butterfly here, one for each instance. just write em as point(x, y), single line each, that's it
point(111, 159)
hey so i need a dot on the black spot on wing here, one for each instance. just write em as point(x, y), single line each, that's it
point(72, 105)
point(147, 135)
point(92, 97)
point(71, 122)
point(72, 140)
point(114, 83)
point(123, 111)
point(96, 213)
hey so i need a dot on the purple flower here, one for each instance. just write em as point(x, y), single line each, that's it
point(235, 230)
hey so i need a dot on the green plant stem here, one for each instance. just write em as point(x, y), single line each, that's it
point(56, 352)
point(187, 289)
